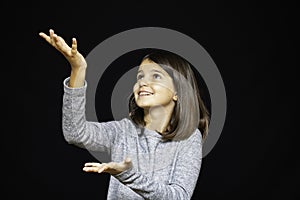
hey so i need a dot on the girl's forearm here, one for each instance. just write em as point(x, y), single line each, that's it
point(77, 77)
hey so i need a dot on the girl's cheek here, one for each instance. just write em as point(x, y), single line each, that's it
point(135, 87)
point(163, 85)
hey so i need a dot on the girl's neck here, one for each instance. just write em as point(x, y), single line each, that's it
point(158, 118)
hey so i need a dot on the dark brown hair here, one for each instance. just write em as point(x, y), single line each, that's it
point(189, 112)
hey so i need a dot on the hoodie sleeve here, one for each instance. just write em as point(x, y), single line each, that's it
point(94, 136)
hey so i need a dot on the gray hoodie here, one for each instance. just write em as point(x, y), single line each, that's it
point(161, 169)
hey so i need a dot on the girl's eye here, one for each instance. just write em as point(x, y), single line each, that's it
point(156, 76)
point(140, 76)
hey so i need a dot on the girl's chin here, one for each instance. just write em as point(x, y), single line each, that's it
point(144, 106)
point(149, 106)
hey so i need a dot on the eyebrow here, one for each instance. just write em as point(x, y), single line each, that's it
point(153, 70)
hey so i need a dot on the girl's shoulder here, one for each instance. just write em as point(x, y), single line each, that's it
point(124, 122)
point(128, 126)
point(195, 137)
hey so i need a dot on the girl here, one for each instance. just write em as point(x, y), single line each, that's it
point(156, 151)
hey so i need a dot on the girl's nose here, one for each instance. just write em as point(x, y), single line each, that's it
point(143, 82)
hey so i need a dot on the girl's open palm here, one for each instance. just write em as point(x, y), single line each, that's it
point(111, 167)
point(75, 59)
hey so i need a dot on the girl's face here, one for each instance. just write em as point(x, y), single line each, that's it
point(154, 86)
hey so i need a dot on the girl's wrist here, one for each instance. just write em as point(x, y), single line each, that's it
point(77, 77)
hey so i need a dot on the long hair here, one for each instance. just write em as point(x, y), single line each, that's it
point(189, 112)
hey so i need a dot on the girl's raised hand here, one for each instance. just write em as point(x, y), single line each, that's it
point(111, 167)
point(75, 59)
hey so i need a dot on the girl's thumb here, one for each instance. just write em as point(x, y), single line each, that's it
point(127, 161)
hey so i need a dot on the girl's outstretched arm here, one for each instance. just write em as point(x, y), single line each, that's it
point(76, 129)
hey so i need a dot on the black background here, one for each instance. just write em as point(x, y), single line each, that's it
point(253, 45)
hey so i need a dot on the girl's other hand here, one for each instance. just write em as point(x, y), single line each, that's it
point(111, 167)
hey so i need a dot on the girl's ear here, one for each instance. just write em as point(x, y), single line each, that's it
point(175, 97)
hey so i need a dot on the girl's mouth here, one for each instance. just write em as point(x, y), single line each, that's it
point(145, 93)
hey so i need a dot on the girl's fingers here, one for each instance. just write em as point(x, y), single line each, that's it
point(59, 43)
point(95, 167)
point(46, 37)
point(51, 33)
point(55, 39)
point(74, 46)
point(51, 39)
point(111, 167)
point(92, 164)
point(91, 169)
